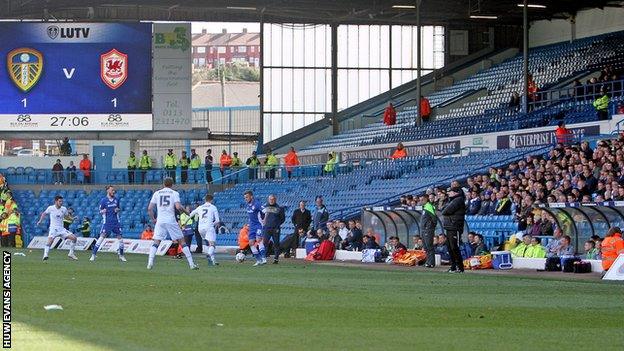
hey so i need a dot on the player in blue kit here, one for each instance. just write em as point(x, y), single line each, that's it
point(256, 219)
point(109, 208)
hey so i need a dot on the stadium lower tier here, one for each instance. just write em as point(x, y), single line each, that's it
point(367, 183)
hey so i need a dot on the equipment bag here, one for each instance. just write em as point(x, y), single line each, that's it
point(479, 262)
point(568, 263)
point(582, 267)
point(411, 257)
point(553, 264)
point(326, 251)
point(368, 255)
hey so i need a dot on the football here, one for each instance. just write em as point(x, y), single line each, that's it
point(240, 257)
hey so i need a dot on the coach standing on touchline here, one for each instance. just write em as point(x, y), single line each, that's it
point(274, 217)
point(453, 223)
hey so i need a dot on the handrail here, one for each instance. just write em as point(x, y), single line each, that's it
point(552, 96)
point(469, 148)
point(382, 110)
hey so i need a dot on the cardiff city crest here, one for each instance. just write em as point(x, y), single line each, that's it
point(25, 66)
point(114, 68)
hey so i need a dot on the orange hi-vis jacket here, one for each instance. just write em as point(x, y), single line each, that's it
point(612, 247)
point(243, 238)
point(85, 166)
point(291, 160)
point(225, 161)
point(147, 235)
point(399, 154)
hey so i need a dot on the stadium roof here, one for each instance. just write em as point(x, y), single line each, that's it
point(301, 11)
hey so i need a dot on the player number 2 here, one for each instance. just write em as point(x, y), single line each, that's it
point(114, 101)
point(204, 213)
point(164, 201)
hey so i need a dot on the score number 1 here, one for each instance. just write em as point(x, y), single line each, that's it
point(25, 102)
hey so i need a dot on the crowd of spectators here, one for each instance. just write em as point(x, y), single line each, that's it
point(573, 173)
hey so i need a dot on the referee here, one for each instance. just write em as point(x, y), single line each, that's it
point(453, 223)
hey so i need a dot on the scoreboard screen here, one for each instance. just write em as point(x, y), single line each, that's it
point(75, 76)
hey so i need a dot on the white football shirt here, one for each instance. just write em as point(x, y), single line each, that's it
point(208, 215)
point(165, 200)
point(56, 216)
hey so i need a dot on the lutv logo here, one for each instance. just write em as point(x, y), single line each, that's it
point(68, 32)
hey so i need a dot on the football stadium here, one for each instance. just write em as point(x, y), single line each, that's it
point(312, 175)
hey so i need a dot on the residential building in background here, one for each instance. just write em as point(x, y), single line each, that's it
point(211, 49)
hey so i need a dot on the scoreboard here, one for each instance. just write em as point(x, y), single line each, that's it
point(75, 76)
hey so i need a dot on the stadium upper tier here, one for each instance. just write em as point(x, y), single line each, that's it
point(549, 65)
point(372, 182)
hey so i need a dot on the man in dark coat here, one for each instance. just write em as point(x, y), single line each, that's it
point(274, 217)
point(428, 223)
point(301, 217)
point(453, 223)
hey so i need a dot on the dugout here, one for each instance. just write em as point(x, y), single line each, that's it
point(403, 222)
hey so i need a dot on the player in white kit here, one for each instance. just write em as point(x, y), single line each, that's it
point(57, 212)
point(208, 220)
point(166, 201)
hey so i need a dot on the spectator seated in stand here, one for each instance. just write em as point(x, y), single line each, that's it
point(474, 204)
point(399, 153)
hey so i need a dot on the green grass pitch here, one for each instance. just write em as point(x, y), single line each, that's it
point(109, 305)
